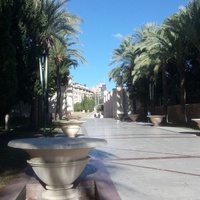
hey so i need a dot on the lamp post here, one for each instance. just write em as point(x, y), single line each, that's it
point(43, 65)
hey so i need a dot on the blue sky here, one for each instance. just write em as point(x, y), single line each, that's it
point(105, 22)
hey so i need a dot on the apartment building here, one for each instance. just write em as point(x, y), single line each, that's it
point(79, 91)
point(99, 92)
point(71, 93)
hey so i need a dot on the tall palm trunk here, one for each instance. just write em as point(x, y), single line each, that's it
point(182, 94)
point(151, 98)
point(164, 81)
point(58, 103)
point(134, 105)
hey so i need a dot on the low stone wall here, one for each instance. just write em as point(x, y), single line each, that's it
point(193, 111)
point(174, 112)
point(118, 101)
point(142, 114)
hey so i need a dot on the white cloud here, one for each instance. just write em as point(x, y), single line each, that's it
point(118, 35)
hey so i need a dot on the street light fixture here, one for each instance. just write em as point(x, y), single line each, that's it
point(43, 65)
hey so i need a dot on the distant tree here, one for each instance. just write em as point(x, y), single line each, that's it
point(86, 104)
point(91, 104)
point(78, 107)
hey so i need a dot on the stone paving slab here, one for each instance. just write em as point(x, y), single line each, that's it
point(147, 162)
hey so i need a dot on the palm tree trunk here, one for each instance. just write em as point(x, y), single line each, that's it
point(164, 81)
point(182, 94)
point(152, 97)
point(134, 105)
point(58, 114)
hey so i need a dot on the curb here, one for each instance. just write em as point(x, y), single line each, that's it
point(17, 188)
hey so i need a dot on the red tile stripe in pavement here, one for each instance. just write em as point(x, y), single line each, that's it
point(136, 136)
point(140, 137)
point(154, 168)
point(152, 158)
point(143, 151)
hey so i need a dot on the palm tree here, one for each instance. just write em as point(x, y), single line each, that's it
point(146, 61)
point(125, 55)
point(186, 23)
point(162, 47)
point(58, 55)
point(179, 58)
point(63, 58)
point(59, 24)
point(183, 31)
point(56, 24)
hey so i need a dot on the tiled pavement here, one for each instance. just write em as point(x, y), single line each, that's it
point(143, 162)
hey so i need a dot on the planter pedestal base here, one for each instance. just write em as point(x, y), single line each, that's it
point(85, 188)
point(59, 194)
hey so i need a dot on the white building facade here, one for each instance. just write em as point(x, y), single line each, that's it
point(99, 92)
point(71, 93)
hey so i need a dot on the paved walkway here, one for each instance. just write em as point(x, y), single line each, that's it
point(142, 162)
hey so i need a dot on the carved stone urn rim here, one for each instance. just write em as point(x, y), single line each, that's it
point(71, 123)
point(195, 119)
point(57, 143)
point(153, 116)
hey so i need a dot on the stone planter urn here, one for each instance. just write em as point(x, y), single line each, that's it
point(133, 117)
point(197, 120)
point(71, 128)
point(120, 115)
point(58, 162)
point(71, 123)
point(73, 117)
point(156, 119)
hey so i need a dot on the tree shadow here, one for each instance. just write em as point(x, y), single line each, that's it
point(190, 133)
